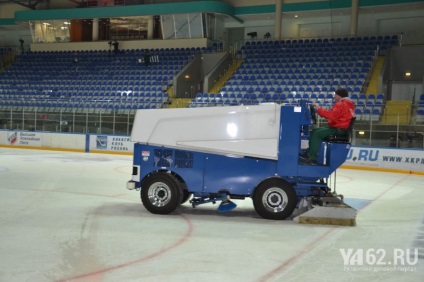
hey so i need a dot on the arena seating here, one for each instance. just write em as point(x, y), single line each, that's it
point(312, 69)
point(274, 71)
point(89, 81)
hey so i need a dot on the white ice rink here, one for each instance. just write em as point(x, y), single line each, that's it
point(68, 217)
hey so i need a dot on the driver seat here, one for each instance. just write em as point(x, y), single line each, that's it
point(342, 138)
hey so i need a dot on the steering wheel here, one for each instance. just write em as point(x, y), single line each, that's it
point(313, 113)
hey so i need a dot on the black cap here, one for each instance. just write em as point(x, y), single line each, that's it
point(342, 92)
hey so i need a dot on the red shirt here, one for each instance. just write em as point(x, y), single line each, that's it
point(340, 115)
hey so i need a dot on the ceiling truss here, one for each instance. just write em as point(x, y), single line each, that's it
point(31, 4)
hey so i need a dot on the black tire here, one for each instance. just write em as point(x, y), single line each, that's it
point(274, 199)
point(186, 196)
point(161, 193)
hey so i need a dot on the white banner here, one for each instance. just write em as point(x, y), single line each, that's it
point(398, 159)
point(21, 138)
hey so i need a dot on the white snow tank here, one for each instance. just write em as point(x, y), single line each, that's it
point(236, 130)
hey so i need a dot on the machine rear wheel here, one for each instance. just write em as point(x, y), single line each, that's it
point(274, 199)
point(161, 194)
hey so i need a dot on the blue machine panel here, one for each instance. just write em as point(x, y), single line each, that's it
point(187, 164)
point(236, 175)
point(291, 121)
point(173, 158)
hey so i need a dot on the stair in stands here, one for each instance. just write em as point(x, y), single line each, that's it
point(397, 112)
point(180, 103)
point(226, 76)
point(373, 85)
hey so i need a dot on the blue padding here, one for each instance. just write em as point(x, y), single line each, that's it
point(87, 143)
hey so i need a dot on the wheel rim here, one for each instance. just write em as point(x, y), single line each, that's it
point(275, 200)
point(159, 194)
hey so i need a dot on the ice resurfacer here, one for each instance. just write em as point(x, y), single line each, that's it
point(217, 154)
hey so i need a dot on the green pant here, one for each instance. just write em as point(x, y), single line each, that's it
point(316, 137)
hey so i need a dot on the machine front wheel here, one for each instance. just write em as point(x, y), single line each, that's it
point(274, 199)
point(161, 193)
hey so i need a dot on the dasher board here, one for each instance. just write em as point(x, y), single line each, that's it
point(236, 130)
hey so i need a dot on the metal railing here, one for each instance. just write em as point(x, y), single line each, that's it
point(368, 131)
point(116, 122)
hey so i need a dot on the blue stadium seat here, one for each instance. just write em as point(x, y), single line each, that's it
point(375, 114)
point(366, 114)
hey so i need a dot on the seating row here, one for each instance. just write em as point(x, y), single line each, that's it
point(348, 40)
point(54, 79)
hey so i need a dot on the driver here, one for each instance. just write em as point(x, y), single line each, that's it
point(339, 117)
